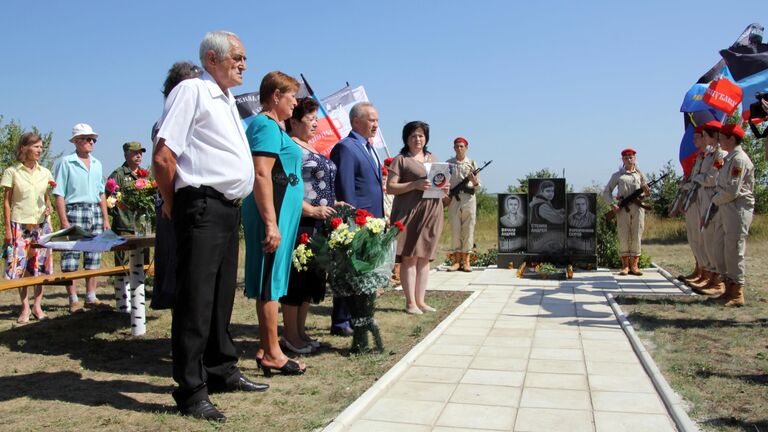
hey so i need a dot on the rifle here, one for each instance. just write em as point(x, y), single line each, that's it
point(691, 196)
point(711, 210)
point(462, 186)
point(633, 198)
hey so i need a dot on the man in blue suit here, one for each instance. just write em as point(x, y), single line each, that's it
point(358, 183)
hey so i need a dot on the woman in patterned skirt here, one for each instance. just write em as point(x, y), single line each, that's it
point(27, 208)
point(318, 173)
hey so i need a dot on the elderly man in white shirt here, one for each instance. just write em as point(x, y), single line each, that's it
point(203, 168)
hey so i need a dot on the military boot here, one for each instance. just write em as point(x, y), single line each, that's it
point(695, 274)
point(624, 266)
point(705, 277)
point(735, 294)
point(467, 267)
point(633, 268)
point(715, 286)
point(456, 259)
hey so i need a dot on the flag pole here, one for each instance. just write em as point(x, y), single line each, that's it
point(322, 108)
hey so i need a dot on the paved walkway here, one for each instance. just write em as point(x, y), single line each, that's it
point(521, 355)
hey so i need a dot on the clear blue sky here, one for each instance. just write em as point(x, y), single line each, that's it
point(556, 84)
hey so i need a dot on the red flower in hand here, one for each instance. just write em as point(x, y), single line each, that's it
point(52, 183)
point(141, 172)
point(361, 220)
point(388, 161)
point(384, 171)
point(304, 238)
point(399, 226)
point(335, 222)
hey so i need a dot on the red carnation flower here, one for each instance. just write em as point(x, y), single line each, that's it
point(384, 171)
point(388, 161)
point(399, 226)
point(361, 220)
point(52, 183)
point(304, 238)
point(361, 212)
point(335, 222)
point(141, 172)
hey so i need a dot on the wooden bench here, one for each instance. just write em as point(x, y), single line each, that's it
point(64, 278)
point(129, 290)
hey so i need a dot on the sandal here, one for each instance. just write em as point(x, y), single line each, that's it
point(23, 318)
point(291, 367)
point(41, 317)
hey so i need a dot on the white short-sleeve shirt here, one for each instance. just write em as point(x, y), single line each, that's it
point(201, 125)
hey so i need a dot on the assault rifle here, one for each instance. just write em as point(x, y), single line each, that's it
point(711, 210)
point(462, 186)
point(633, 198)
point(691, 195)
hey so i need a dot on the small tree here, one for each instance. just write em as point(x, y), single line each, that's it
point(522, 186)
point(9, 137)
point(755, 148)
point(663, 192)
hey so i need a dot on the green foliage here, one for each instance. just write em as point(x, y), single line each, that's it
point(522, 186)
point(486, 203)
point(484, 259)
point(9, 137)
point(663, 192)
point(755, 149)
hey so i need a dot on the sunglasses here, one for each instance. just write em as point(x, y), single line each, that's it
point(87, 139)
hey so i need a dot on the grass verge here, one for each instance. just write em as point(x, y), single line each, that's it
point(86, 372)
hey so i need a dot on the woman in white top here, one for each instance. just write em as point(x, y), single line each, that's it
point(27, 208)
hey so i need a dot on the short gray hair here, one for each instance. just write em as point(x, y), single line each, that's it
point(358, 109)
point(218, 42)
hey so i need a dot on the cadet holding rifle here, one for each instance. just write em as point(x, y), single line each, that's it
point(630, 214)
point(711, 237)
point(689, 190)
point(736, 203)
point(463, 206)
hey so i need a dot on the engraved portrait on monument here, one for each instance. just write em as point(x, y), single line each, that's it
point(513, 230)
point(546, 216)
point(582, 223)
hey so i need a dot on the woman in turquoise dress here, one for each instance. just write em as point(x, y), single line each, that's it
point(271, 215)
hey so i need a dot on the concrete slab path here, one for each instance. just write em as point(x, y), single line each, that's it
point(521, 355)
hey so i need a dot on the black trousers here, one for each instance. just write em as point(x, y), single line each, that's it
point(207, 248)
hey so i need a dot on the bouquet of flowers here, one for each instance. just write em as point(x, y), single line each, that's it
point(356, 251)
point(138, 197)
point(354, 248)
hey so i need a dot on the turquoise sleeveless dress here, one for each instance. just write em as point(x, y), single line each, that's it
point(266, 274)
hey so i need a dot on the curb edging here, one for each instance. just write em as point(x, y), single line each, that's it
point(672, 400)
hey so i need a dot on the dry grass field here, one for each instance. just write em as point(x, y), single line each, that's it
point(86, 372)
point(716, 358)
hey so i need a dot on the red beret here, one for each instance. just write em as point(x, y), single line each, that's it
point(462, 140)
point(698, 129)
point(628, 151)
point(712, 125)
point(732, 130)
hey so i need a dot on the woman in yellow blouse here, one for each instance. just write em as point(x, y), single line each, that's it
point(27, 208)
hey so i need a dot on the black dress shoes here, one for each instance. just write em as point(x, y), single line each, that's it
point(246, 385)
point(203, 409)
point(342, 331)
point(241, 384)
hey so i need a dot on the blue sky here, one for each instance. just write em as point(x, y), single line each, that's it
point(548, 84)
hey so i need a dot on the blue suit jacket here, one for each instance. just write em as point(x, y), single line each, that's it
point(358, 177)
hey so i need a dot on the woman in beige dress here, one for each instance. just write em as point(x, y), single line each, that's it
point(422, 217)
